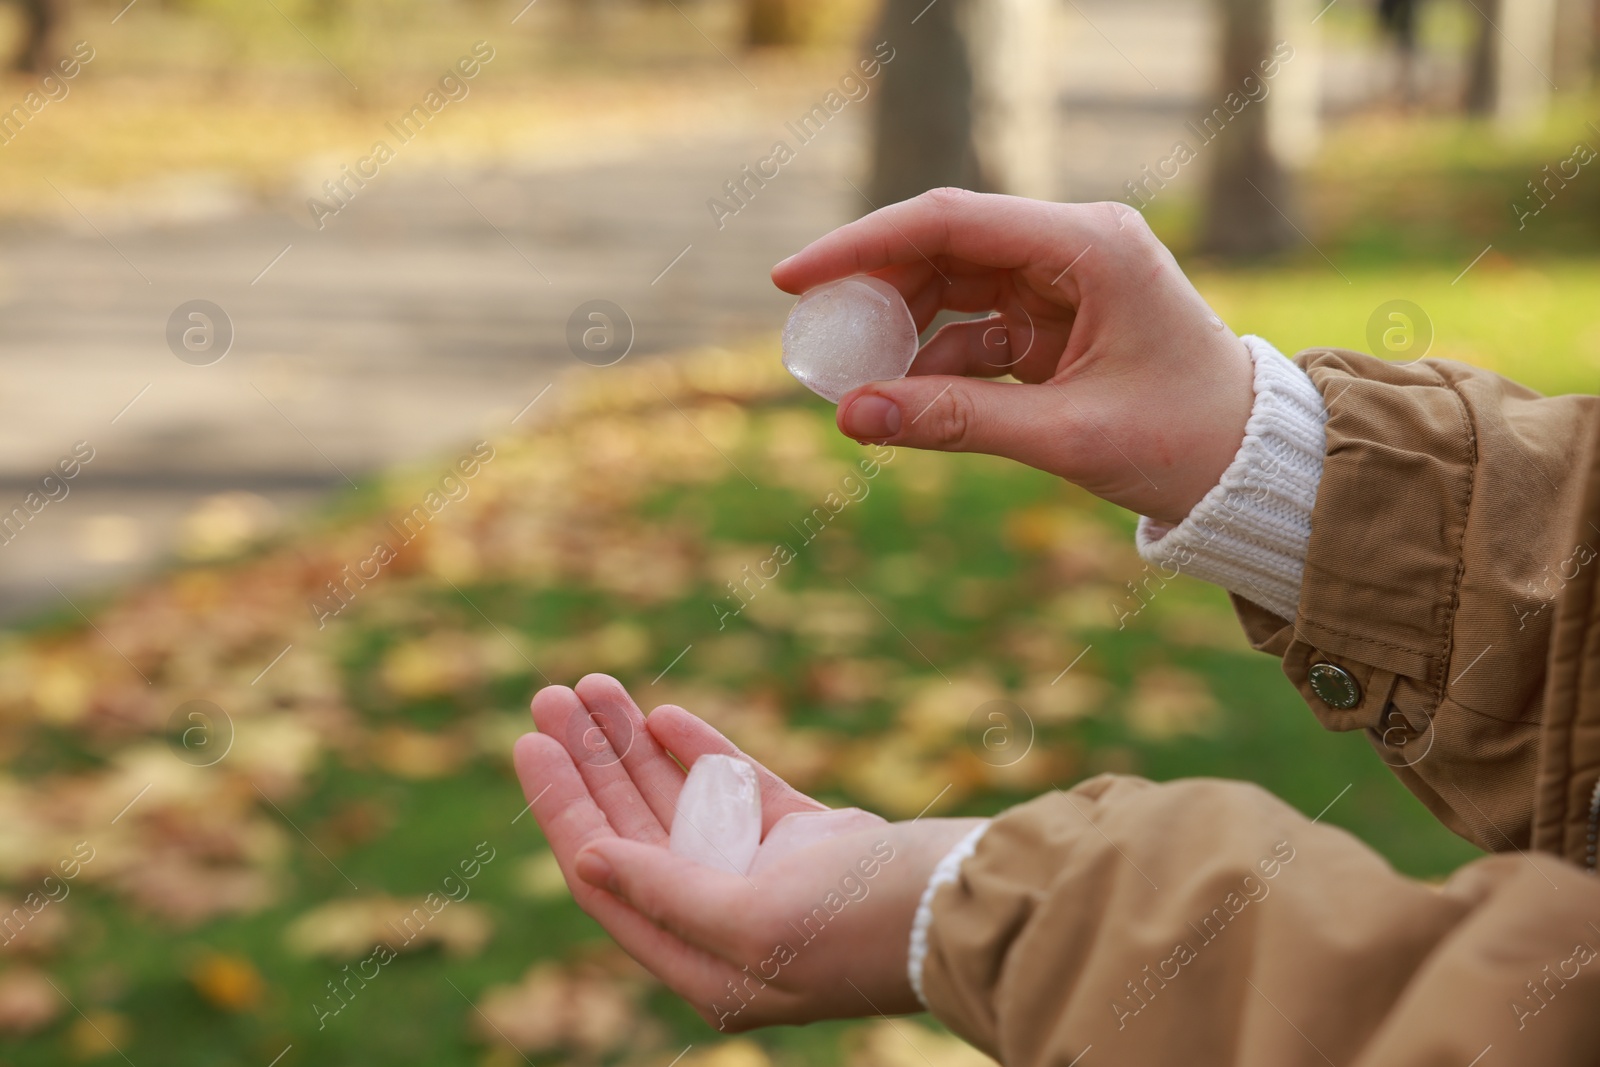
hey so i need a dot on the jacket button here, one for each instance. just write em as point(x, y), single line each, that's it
point(1334, 686)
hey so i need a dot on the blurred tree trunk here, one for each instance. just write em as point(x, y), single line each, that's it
point(1591, 32)
point(1574, 44)
point(969, 100)
point(774, 23)
point(1478, 98)
point(922, 135)
point(1513, 59)
point(41, 19)
point(1294, 108)
point(1527, 44)
point(1012, 47)
point(583, 22)
point(1398, 18)
point(1249, 190)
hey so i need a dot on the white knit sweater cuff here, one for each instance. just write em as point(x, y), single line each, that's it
point(943, 874)
point(1249, 534)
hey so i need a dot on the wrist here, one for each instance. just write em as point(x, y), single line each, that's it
point(919, 847)
point(1251, 531)
point(1228, 400)
point(945, 872)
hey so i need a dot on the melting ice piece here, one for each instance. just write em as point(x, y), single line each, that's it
point(848, 333)
point(802, 829)
point(718, 821)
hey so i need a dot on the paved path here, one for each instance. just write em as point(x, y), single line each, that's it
point(433, 309)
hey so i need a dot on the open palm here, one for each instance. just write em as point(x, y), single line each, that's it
point(598, 771)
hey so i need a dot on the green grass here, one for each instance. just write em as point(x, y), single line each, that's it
point(1534, 320)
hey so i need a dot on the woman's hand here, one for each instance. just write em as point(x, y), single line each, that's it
point(818, 929)
point(1133, 387)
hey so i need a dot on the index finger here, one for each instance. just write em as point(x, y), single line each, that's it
point(561, 714)
point(570, 820)
point(658, 778)
point(985, 229)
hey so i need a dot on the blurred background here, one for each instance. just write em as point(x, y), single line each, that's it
point(274, 275)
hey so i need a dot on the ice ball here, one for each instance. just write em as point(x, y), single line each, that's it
point(718, 817)
point(847, 333)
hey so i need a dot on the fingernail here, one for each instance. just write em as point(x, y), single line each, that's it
point(593, 868)
point(872, 418)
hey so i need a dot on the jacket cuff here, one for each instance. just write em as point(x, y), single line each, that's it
point(945, 872)
point(1249, 534)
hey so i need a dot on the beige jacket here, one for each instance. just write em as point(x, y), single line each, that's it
point(1452, 574)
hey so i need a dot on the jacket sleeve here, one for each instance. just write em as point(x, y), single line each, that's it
point(1207, 923)
point(1445, 525)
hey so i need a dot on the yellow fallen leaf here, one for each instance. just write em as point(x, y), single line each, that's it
point(1066, 697)
point(907, 1044)
point(230, 983)
point(225, 524)
point(740, 1052)
point(559, 1007)
point(61, 690)
point(352, 927)
point(99, 1033)
point(1167, 701)
point(893, 775)
point(417, 754)
point(436, 665)
point(937, 712)
point(539, 877)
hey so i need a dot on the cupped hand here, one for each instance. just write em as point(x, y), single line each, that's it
point(818, 929)
point(1128, 384)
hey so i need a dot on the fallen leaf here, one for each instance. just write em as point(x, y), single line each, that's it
point(417, 754)
point(27, 1001)
point(539, 877)
point(352, 927)
point(740, 1052)
point(1167, 702)
point(437, 665)
point(178, 890)
point(555, 1007)
point(938, 712)
point(893, 775)
point(99, 1033)
point(225, 524)
point(906, 1044)
point(35, 931)
point(229, 983)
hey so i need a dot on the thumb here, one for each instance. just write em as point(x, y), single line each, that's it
point(683, 897)
point(1031, 424)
